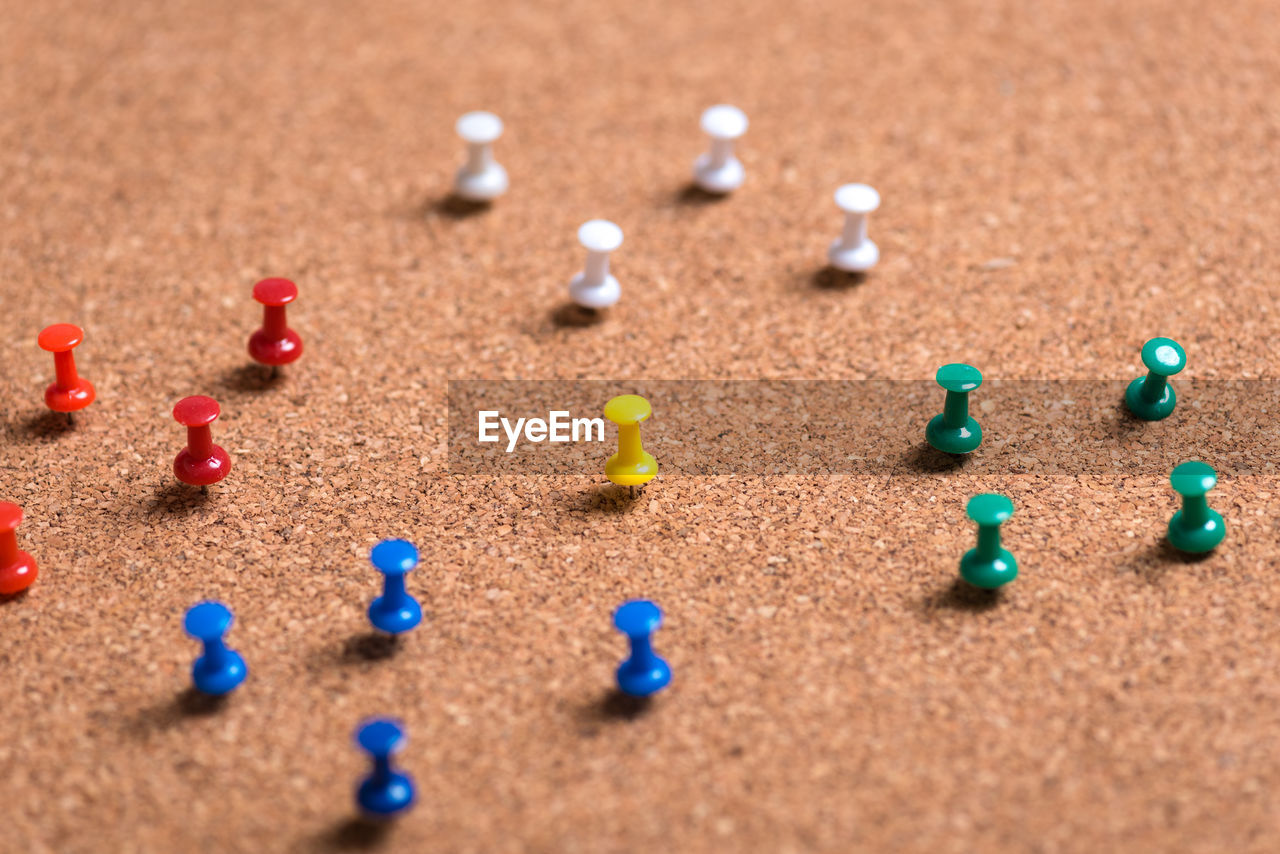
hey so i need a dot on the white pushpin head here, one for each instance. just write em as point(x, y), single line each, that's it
point(481, 178)
point(718, 171)
point(594, 287)
point(853, 251)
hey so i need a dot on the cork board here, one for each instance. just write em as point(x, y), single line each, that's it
point(1061, 181)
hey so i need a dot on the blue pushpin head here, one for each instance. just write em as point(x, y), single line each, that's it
point(395, 611)
point(644, 673)
point(220, 670)
point(384, 792)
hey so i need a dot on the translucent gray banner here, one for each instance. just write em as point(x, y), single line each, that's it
point(819, 427)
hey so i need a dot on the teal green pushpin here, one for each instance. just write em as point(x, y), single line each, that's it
point(954, 431)
point(1195, 528)
point(1151, 398)
point(989, 565)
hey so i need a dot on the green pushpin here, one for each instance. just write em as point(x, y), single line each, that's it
point(989, 565)
point(1195, 528)
point(954, 431)
point(1151, 398)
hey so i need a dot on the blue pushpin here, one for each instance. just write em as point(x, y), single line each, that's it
point(395, 611)
point(384, 792)
point(219, 670)
point(644, 673)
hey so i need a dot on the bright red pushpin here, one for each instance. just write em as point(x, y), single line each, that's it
point(70, 392)
point(17, 568)
point(201, 462)
point(275, 343)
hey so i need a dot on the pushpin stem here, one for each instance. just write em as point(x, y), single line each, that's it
point(479, 156)
point(988, 547)
point(274, 322)
point(215, 653)
point(641, 648)
point(1195, 510)
point(1153, 387)
point(200, 441)
point(8, 547)
point(394, 588)
point(630, 451)
point(64, 365)
point(955, 409)
point(597, 267)
point(720, 152)
point(855, 230)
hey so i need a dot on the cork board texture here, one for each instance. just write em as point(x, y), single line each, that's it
point(1061, 182)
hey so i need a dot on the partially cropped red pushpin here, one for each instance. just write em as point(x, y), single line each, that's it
point(275, 344)
point(70, 392)
point(201, 462)
point(17, 568)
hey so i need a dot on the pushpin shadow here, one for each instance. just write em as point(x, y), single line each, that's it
point(1154, 563)
point(617, 706)
point(193, 703)
point(573, 316)
point(370, 646)
point(6, 598)
point(48, 424)
point(456, 207)
point(830, 279)
point(252, 377)
point(178, 497)
point(962, 596)
point(606, 498)
point(926, 459)
point(356, 833)
point(692, 194)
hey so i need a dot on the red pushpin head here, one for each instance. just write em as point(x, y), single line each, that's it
point(69, 392)
point(275, 343)
point(17, 568)
point(201, 462)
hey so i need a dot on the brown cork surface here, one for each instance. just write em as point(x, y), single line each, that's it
point(1061, 181)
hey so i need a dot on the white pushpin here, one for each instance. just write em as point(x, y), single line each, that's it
point(853, 251)
point(718, 171)
point(481, 178)
point(594, 287)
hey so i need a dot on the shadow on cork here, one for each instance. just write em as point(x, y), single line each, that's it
point(1155, 562)
point(355, 833)
point(251, 378)
point(830, 279)
point(456, 207)
point(370, 646)
point(959, 595)
point(177, 497)
point(693, 195)
point(47, 425)
point(573, 316)
point(607, 498)
point(926, 459)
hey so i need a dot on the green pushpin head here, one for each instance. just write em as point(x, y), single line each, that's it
point(954, 431)
point(1151, 398)
point(989, 565)
point(1195, 528)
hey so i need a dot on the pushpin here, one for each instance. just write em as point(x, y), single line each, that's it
point(386, 791)
point(989, 565)
point(1195, 528)
point(481, 178)
point(220, 670)
point(853, 251)
point(954, 431)
point(69, 392)
point(1151, 398)
point(594, 287)
point(201, 462)
point(17, 568)
point(275, 344)
point(395, 611)
point(632, 466)
point(718, 171)
point(644, 672)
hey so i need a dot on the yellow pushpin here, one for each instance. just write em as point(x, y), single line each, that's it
point(632, 465)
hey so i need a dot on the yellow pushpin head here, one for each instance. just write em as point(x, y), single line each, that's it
point(632, 465)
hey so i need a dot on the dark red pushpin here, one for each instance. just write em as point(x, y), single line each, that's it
point(70, 392)
point(275, 344)
point(201, 462)
point(17, 568)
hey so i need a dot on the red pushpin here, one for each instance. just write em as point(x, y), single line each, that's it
point(70, 392)
point(17, 568)
point(201, 462)
point(275, 344)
